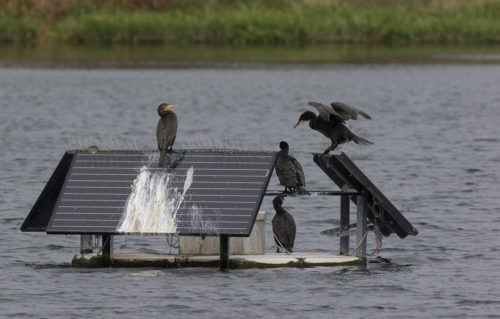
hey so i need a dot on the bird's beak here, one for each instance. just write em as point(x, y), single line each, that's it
point(298, 123)
point(283, 198)
point(170, 106)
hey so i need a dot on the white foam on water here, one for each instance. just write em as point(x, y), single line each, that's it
point(153, 203)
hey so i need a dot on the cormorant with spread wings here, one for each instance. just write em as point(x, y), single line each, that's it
point(330, 123)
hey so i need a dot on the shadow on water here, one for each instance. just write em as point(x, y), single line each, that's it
point(63, 56)
point(39, 266)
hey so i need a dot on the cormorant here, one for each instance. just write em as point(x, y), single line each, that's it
point(284, 228)
point(166, 130)
point(330, 123)
point(290, 172)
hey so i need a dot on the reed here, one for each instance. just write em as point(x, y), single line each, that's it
point(18, 30)
point(249, 23)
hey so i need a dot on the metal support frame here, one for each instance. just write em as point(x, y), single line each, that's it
point(361, 227)
point(344, 221)
point(315, 192)
point(224, 252)
point(345, 225)
point(86, 244)
point(107, 249)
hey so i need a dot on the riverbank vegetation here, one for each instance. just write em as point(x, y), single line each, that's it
point(259, 22)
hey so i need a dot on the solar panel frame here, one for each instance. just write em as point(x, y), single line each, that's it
point(100, 209)
point(342, 170)
point(41, 212)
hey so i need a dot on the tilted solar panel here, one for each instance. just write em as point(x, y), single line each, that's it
point(381, 211)
point(200, 192)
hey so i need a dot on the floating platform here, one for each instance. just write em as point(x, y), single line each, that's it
point(208, 193)
point(268, 260)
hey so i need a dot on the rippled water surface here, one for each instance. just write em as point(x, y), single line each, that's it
point(436, 155)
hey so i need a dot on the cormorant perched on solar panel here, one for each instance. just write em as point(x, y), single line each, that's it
point(284, 228)
point(330, 123)
point(166, 130)
point(290, 172)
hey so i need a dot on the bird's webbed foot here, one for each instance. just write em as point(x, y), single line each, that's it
point(330, 148)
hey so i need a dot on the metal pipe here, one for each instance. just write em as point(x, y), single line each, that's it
point(327, 193)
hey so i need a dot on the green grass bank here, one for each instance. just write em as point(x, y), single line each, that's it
point(224, 22)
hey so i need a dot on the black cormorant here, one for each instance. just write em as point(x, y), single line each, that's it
point(166, 130)
point(290, 172)
point(330, 123)
point(284, 228)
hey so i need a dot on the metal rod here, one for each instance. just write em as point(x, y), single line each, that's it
point(344, 221)
point(327, 193)
point(361, 227)
point(224, 252)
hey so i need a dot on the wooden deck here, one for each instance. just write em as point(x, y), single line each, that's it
point(268, 260)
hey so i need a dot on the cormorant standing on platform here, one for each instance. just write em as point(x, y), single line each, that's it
point(330, 123)
point(166, 130)
point(284, 228)
point(290, 172)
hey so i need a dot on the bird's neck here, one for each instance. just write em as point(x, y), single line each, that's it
point(168, 113)
point(279, 209)
point(283, 153)
point(313, 123)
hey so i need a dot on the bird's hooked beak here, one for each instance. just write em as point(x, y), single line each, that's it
point(170, 106)
point(298, 123)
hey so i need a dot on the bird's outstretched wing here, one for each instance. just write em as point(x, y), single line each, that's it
point(348, 112)
point(326, 113)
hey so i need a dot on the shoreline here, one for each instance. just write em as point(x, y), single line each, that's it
point(316, 22)
point(161, 56)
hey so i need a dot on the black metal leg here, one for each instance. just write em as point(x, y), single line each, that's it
point(344, 221)
point(224, 252)
point(107, 250)
point(361, 227)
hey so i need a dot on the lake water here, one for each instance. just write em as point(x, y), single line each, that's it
point(436, 156)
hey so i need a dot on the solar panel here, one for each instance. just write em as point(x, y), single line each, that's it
point(381, 211)
point(199, 192)
point(39, 216)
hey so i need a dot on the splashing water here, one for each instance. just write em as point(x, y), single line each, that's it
point(198, 224)
point(153, 203)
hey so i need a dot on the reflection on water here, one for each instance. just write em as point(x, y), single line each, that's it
point(201, 56)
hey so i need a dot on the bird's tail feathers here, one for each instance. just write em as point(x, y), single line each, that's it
point(359, 140)
point(366, 116)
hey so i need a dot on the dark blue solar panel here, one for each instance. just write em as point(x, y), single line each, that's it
point(200, 192)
